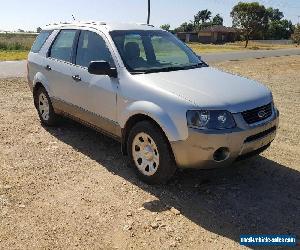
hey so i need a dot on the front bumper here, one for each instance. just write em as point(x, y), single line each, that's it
point(198, 151)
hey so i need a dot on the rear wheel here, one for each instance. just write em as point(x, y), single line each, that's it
point(150, 153)
point(44, 107)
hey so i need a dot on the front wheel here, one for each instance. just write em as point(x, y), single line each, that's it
point(149, 152)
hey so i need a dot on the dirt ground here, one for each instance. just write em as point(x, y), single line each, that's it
point(69, 187)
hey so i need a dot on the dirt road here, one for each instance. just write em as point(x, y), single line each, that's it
point(69, 187)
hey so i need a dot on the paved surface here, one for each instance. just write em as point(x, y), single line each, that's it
point(12, 69)
point(18, 68)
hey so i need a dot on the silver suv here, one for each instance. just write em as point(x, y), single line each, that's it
point(148, 90)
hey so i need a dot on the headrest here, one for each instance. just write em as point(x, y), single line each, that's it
point(132, 51)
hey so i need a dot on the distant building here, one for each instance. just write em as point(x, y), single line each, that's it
point(211, 34)
point(188, 36)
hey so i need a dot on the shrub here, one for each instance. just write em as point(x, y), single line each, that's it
point(10, 41)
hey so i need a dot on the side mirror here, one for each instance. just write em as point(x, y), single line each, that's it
point(102, 68)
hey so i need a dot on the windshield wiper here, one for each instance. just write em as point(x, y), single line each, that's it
point(171, 68)
point(203, 64)
point(198, 65)
point(166, 69)
point(137, 72)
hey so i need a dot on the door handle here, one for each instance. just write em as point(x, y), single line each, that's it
point(76, 78)
point(48, 68)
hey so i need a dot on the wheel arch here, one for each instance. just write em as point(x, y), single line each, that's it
point(132, 121)
point(39, 81)
point(144, 111)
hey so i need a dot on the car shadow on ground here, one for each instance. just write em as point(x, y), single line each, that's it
point(257, 196)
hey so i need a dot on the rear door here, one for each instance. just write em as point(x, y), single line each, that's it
point(59, 65)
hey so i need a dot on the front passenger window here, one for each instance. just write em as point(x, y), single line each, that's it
point(92, 47)
point(62, 48)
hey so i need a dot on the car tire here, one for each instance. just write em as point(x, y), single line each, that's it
point(44, 108)
point(150, 153)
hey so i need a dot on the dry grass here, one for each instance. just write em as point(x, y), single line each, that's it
point(15, 46)
point(237, 46)
point(13, 42)
point(13, 55)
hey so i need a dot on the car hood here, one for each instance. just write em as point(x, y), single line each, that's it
point(208, 87)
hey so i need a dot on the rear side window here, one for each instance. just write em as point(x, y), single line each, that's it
point(62, 47)
point(40, 40)
point(92, 47)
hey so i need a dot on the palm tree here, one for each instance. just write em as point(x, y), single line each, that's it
point(204, 15)
point(197, 19)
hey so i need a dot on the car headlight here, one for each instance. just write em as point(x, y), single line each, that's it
point(210, 119)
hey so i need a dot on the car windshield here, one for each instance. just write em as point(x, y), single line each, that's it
point(153, 51)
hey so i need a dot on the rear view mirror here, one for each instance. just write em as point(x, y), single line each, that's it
point(101, 68)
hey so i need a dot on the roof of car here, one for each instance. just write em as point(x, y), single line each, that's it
point(110, 26)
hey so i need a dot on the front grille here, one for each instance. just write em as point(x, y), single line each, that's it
point(257, 114)
point(260, 135)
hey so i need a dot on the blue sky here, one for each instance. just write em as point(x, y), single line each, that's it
point(29, 14)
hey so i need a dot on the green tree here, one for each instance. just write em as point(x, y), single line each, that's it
point(280, 29)
point(185, 27)
point(249, 17)
point(277, 27)
point(38, 29)
point(165, 27)
point(296, 35)
point(274, 14)
point(217, 20)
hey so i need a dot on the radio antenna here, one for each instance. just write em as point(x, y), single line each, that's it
point(149, 11)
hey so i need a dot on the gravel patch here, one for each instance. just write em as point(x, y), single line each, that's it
point(69, 187)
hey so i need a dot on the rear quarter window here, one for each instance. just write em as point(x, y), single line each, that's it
point(40, 40)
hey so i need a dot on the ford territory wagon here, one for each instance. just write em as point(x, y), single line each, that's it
point(147, 89)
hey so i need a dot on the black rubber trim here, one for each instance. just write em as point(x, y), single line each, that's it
point(260, 135)
point(253, 153)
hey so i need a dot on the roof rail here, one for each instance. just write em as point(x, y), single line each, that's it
point(78, 22)
point(93, 22)
point(60, 23)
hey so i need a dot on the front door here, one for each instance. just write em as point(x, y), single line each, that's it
point(96, 95)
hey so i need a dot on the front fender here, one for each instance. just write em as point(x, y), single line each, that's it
point(154, 112)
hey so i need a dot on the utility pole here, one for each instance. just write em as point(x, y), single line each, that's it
point(149, 11)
